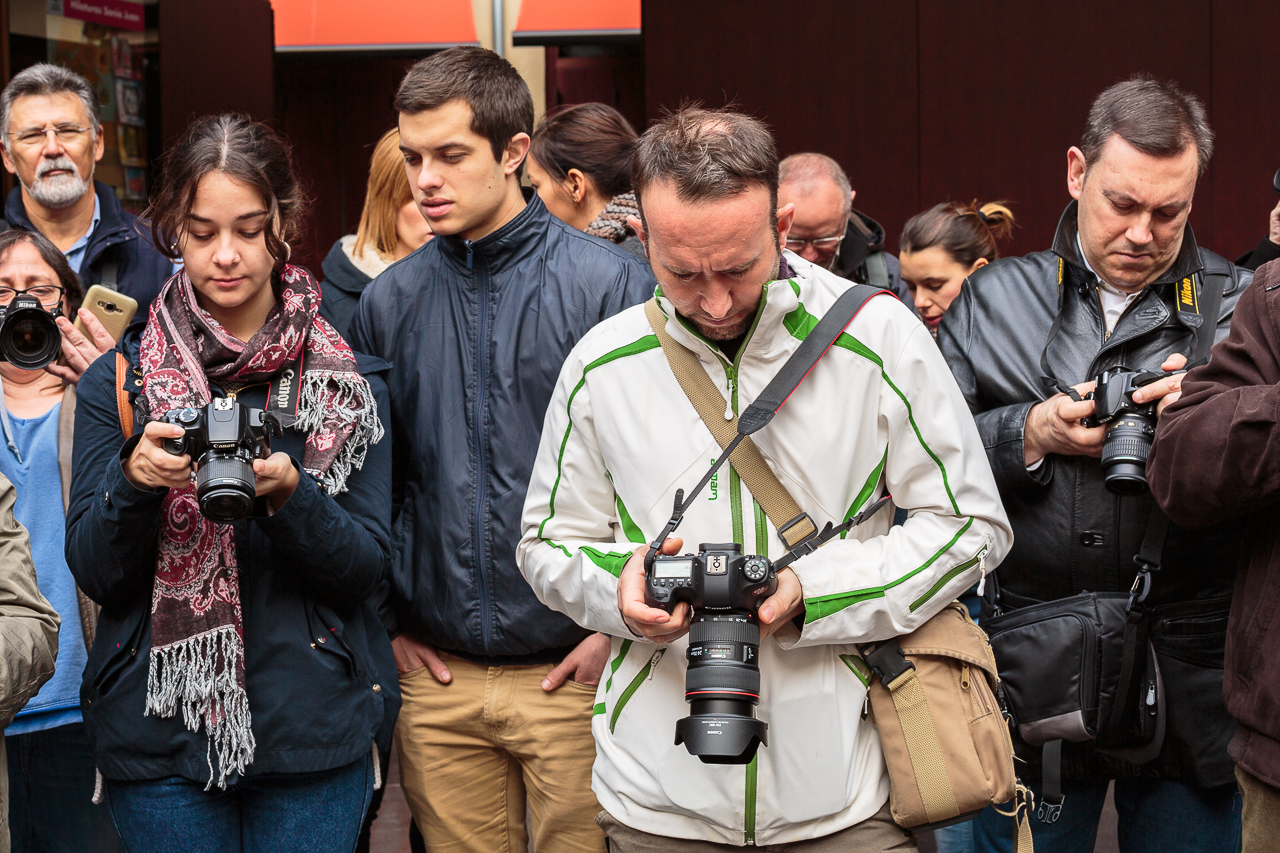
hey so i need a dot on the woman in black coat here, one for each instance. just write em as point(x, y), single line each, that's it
point(240, 675)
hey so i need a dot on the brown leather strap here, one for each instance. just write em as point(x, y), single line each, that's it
point(747, 460)
point(123, 407)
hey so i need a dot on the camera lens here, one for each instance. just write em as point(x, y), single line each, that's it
point(1124, 454)
point(225, 488)
point(29, 338)
point(722, 684)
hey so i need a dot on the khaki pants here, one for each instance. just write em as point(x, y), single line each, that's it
point(876, 834)
point(475, 751)
point(1260, 822)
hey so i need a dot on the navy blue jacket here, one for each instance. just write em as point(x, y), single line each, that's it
point(140, 270)
point(477, 333)
point(319, 672)
point(340, 291)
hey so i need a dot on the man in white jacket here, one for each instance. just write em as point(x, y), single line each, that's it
point(879, 414)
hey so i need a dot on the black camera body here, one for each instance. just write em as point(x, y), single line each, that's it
point(1131, 427)
point(223, 438)
point(29, 336)
point(724, 588)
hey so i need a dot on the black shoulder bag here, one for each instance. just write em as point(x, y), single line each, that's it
point(1082, 669)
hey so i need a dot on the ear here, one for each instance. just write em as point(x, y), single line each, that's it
point(99, 147)
point(517, 149)
point(852, 195)
point(8, 162)
point(638, 227)
point(785, 216)
point(576, 185)
point(1076, 168)
point(977, 265)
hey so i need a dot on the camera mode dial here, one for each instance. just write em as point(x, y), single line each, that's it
point(756, 569)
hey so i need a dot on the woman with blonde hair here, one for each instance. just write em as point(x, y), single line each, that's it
point(391, 226)
point(941, 247)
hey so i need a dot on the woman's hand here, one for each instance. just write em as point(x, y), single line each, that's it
point(150, 466)
point(276, 478)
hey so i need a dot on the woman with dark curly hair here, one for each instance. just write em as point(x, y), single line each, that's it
point(240, 676)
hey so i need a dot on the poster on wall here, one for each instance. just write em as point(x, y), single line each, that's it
point(135, 183)
point(129, 105)
point(131, 146)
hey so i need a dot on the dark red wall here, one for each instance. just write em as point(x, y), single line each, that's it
point(931, 100)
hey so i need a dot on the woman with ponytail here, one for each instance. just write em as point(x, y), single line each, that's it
point(239, 677)
point(939, 249)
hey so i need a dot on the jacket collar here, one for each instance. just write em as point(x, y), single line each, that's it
point(521, 236)
point(780, 309)
point(1066, 247)
point(113, 229)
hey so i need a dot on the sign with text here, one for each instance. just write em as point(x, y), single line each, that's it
point(122, 14)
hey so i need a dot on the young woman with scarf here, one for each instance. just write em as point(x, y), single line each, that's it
point(240, 675)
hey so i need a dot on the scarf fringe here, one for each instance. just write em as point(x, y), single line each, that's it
point(348, 397)
point(200, 674)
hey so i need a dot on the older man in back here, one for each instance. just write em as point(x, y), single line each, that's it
point(827, 231)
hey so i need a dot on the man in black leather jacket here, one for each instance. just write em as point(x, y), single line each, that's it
point(1128, 281)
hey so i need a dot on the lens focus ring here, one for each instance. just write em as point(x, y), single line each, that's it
point(709, 629)
point(712, 679)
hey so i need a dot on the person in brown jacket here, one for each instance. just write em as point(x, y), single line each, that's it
point(1216, 458)
point(28, 633)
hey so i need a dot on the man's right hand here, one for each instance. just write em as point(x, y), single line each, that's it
point(1054, 427)
point(1274, 232)
point(150, 466)
point(412, 655)
point(645, 621)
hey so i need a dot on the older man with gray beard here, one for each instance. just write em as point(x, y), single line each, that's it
point(52, 139)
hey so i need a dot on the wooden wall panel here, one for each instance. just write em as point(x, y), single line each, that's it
point(833, 76)
point(1005, 88)
point(1244, 113)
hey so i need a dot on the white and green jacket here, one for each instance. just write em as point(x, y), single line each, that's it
point(879, 413)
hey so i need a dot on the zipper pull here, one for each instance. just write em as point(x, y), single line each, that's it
point(1151, 697)
point(964, 676)
point(653, 663)
point(732, 381)
point(982, 569)
point(866, 704)
point(470, 252)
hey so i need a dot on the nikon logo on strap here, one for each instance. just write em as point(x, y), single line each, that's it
point(1189, 302)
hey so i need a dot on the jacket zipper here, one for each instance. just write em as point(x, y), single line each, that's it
point(645, 673)
point(735, 482)
point(482, 463)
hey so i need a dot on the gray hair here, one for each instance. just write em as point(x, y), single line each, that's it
point(810, 167)
point(47, 79)
point(1157, 118)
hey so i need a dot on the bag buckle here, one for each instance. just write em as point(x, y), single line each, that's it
point(1141, 586)
point(1050, 812)
point(888, 662)
point(808, 544)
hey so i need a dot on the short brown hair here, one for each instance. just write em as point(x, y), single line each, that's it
point(51, 255)
point(966, 232)
point(500, 103)
point(593, 138)
point(706, 154)
point(1157, 118)
point(240, 148)
point(388, 191)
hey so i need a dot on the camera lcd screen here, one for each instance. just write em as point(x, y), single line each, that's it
point(673, 568)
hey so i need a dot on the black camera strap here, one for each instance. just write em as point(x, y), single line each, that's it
point(796, 529)
point(285, 391)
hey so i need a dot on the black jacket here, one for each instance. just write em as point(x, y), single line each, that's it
point(340, 291)
point(140, 270)
point(1265, 252)
point(319, 672)
point(1070, 533)
point(864, 238)
point(477, 333)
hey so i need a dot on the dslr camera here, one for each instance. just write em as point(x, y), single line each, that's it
point(223, 438)
point(724, 588)
point(1130, 427)
point(29, 337)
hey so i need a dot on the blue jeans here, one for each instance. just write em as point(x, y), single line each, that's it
point(51, 792)
point(957, 838)
point(1156, 816)
point(317, 812)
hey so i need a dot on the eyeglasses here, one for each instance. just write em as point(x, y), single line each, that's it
point(821, 245)
point(68, 134)
point(48, 294)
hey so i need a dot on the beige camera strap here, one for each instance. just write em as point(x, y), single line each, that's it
point(709, 403)
point(909, 700)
